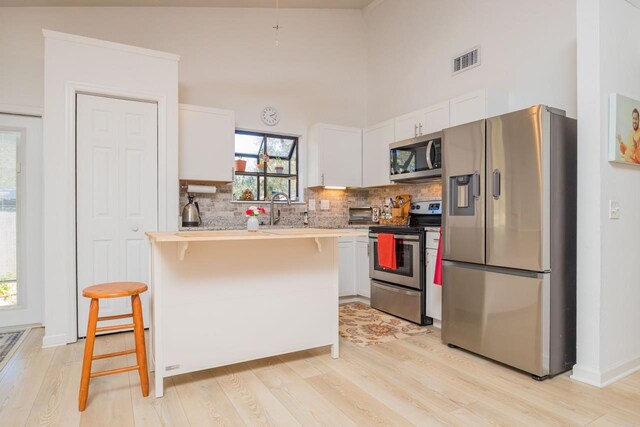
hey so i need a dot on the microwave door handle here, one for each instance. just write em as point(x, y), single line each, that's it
point(428, 155)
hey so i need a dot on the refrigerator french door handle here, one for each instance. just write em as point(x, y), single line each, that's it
point(476, 185)
point(428, 155)
point(496, 184)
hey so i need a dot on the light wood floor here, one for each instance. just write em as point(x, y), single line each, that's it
point(415, 381)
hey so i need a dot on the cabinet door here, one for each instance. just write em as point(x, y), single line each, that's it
point(375, 154)
point(408, 125)
point(362, 268)
point(206, 143)
point(468, 108)
point(340, 153)
point(347, 273)
point(434, 292)
point(436, 118)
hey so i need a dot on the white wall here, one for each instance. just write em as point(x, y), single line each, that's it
point(528, 48)
point(608, 316)
point(73, 65)
point(228, 57)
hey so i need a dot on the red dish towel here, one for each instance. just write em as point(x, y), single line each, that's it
point(437, 276)
point(387, 251)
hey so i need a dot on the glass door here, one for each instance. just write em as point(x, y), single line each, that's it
point(21, 254)
point(9, 142)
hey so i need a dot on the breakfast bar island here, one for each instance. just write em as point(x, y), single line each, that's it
point(229, 296)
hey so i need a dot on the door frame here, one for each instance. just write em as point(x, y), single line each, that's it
point(71, 90)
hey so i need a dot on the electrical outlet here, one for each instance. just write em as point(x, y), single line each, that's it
point(312, 205)
point(324, 205)
point(614, 209)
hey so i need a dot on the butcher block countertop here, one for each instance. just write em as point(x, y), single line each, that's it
point(278, 233)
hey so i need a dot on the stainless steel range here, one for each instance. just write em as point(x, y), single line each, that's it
point(401, 291)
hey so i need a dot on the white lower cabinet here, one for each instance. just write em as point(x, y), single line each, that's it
point(347, 275)
point(433, 292)
point(362, 267)
point(354, 266)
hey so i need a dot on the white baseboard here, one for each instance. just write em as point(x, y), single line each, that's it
point(54, 340)
point(353, 298)
point(604, 378)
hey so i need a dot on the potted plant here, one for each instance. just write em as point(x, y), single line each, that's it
point(262, 162)
point(240, 165)
point(279, 167)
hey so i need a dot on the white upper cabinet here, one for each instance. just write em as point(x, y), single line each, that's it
point(422, 122)
point(409, 125)
point(207, 143)
point(375, 153)
point(335, 156)
point(477, 105)
point(436, 118)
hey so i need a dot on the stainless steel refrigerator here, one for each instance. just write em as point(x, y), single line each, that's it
point(509, 239)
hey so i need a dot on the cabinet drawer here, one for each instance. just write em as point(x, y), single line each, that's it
point(432, 240)
point(397, 301)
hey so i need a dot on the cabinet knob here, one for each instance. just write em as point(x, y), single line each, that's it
point(420, 126)
point(134, 228)
point(415, 130)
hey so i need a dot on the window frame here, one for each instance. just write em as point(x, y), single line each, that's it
point(262, 177)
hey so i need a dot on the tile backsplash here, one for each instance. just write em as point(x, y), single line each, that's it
point(220, 210)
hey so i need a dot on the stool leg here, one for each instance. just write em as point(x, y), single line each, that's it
point(88, 354)
point(141, 352)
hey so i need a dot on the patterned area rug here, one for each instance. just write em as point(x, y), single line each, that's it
point(363, 326)
point(9, 343)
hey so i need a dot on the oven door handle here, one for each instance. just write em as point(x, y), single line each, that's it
point(398, 236)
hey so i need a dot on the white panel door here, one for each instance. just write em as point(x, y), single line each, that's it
point(117, 197)
point(375, 154)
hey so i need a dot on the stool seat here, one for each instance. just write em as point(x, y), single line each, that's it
point(114, 290)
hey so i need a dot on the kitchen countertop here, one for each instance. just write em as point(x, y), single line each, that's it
point(264, 234)
point(274, 227)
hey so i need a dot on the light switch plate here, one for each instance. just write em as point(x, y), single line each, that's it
point(614, 209)
point(312, 205)
point(324, 205)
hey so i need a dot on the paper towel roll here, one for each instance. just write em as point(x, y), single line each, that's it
point(207, 189)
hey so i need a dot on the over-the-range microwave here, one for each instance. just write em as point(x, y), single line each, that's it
point(416, 159)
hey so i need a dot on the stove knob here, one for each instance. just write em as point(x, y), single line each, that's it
point(417, 206)
point(413, 206)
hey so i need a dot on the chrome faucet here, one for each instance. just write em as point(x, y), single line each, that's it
point(272, 220)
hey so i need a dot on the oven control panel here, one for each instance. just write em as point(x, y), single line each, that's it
point(427, 207)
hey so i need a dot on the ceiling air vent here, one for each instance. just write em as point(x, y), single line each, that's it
point(467, 60)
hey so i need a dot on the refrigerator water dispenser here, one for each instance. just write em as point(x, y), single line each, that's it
point(463, 190)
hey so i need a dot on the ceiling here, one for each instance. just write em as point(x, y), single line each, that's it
point(303, 4)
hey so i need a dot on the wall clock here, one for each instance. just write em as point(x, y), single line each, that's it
point(270, 116)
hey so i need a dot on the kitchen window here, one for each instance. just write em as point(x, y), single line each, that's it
point(270, 166)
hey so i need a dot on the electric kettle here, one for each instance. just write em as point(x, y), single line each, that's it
point(191, 213)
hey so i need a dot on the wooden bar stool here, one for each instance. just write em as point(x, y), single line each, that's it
point(114, 290)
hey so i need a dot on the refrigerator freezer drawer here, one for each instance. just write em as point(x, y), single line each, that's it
point(502, 316)
point(397, 301)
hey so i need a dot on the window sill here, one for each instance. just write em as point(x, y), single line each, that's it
point(265, 202)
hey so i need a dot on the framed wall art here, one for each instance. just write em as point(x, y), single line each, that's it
point(624, 129)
